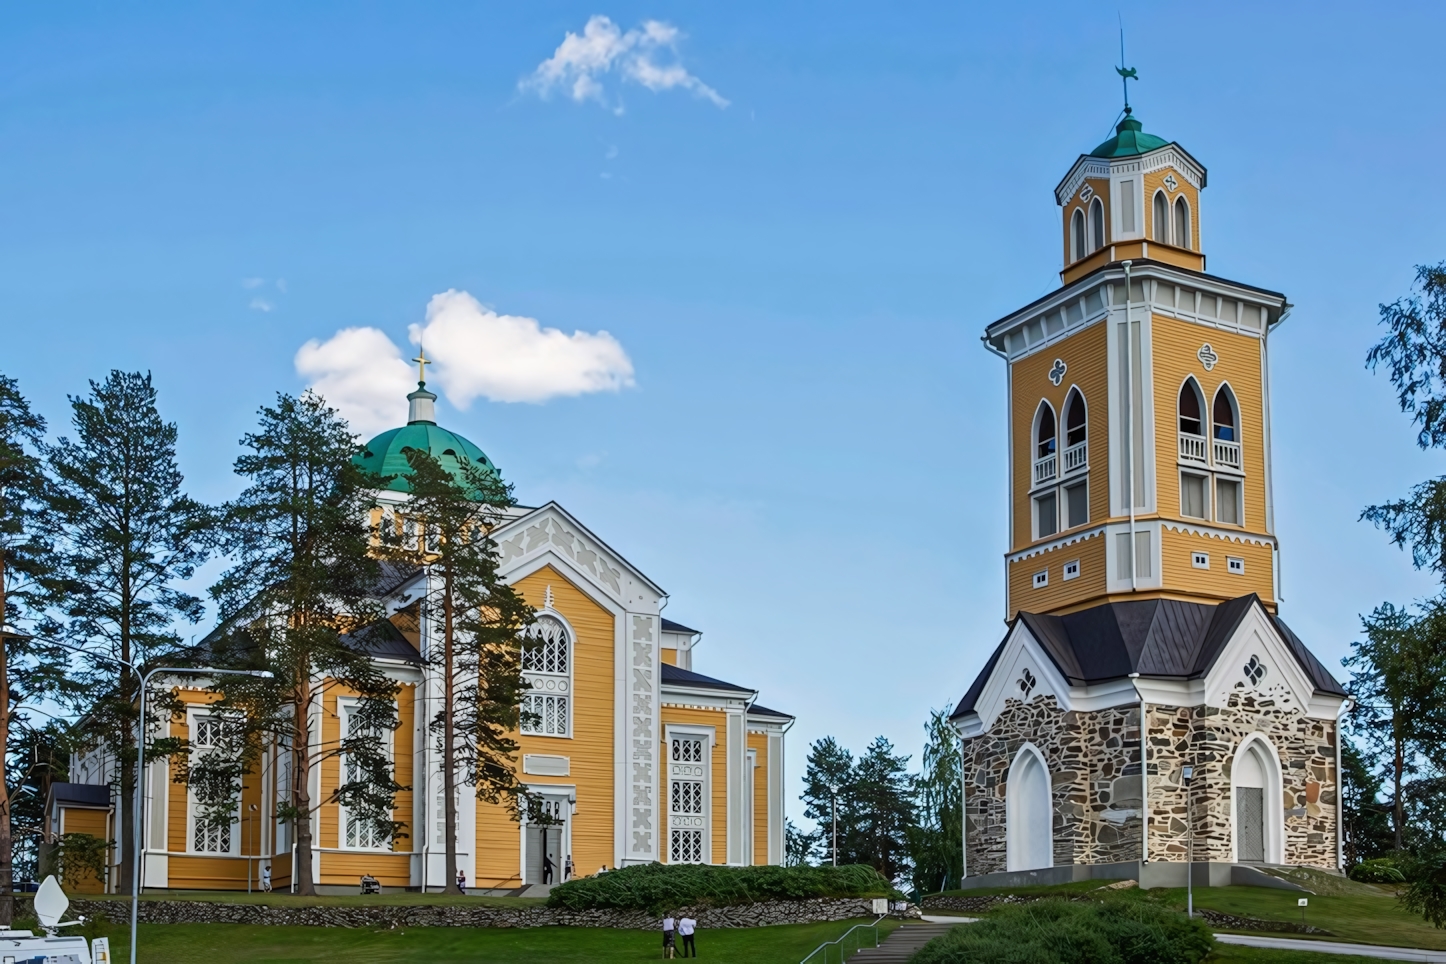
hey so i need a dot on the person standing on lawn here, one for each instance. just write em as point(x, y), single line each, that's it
point(462, 881)
point(669, 942)
point(567, 869)
point(686, 926)
point(266, 879)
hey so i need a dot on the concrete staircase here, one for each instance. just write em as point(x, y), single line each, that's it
point(902, 944)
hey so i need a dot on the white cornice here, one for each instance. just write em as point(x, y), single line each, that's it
point(1226, 535)
point(1053, 544)
point(1171, 155)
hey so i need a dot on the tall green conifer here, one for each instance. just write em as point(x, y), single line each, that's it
point(305, 576)
point(128, 536)
point(477, 623)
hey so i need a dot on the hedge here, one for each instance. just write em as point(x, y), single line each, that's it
point(1074, 932)
point(660, 887)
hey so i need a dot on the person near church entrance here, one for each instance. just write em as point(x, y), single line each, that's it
point(461, 880)
point(547, 869)
point(567, 868)
point(686, 926)
point(669, 941)
point(266, 879)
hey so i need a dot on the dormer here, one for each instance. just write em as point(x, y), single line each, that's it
point(1136, 196)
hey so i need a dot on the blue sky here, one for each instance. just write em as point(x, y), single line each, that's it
point(809, 454)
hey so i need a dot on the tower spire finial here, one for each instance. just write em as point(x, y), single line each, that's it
point(1127, 74)
point(422, 364)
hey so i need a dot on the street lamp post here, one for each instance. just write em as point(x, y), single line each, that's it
point(1186, 773)
point(139, 803)
point(833, 792)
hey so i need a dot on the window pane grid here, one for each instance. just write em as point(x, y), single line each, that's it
point(550, 715)
point(686, 847)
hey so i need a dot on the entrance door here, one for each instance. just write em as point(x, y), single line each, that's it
point(546, 838)
point(1250, 824)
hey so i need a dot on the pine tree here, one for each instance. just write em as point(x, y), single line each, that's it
point(25, 568)
point(830, 765)
point(883, 793)
point(938, 839)
point(482, 621)
point(128, 536)
point(305, 575)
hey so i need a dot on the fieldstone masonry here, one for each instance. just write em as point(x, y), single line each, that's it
point(1094, 763)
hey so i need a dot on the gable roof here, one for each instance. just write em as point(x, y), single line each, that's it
point(683, 677)
point(671, 627)
point(1160, 638)
point(756, 710)
point(80, 794)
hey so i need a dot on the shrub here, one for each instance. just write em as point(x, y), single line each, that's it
point(1074, 932)
point(1380, 870)
point(659, 887)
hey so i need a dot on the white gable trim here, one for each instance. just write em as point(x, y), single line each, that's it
point(1285, 680)
point(1021, 652)
point(552, 529)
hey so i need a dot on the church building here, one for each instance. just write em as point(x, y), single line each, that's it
point(634, 754)
point(1147, 706)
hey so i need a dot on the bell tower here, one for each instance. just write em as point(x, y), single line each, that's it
point(1138, 399)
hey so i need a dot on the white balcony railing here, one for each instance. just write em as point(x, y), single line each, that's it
point(1192, 447)
point(1076, 457)
point(1227, 453)
point(1045, 468)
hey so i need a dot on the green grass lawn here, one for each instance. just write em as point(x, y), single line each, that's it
point(1235, 954)
point(247, 944)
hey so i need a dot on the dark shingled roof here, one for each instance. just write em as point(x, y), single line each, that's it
point(1152, 637)
point(756, 710)
point(682, 677)
point(80, 794)
point(383, 640)
point(671, 627)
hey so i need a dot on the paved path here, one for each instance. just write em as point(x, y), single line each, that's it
point(904, 943)
point(1335, 947)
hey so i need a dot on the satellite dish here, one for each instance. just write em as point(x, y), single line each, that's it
point(50, 902)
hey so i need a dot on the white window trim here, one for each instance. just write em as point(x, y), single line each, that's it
point(193, 716)
point(566, 794)
point(1014, 859)
point(1273, 802)
point(709, 736)
point(344, 708)
point(1209, 507)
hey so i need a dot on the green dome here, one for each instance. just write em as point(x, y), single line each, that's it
point(386, 454)
point(1130, 139)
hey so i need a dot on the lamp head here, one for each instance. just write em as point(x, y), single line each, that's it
point(262, 673)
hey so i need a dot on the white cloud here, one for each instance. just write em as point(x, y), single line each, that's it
point(475, 353)
point(580, 60)
point(510, 358)
point(362, 374)
point(252, 282)
point(261, 304)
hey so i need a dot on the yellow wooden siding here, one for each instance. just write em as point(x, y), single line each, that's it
point(1176, 348)
point(670, 656)
point(1217, 581)
point(1090, 584)
point(589, 750)
point(1085, 358)
point(346, 869)
point(1101, 188)
point(718, 798)
point(96, 823)
point(758, 742)
point(1155, 181)
point(211, 872)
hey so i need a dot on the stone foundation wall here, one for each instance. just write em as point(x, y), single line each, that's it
point(1094, 763)
point(760, 914)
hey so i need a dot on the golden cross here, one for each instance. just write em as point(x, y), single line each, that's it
point(422, 364)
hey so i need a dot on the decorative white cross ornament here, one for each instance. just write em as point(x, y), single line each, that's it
point(1207, 356)
point(1086, 193)
point(1056, 374)
point(1171, 183)
point(1026, 682)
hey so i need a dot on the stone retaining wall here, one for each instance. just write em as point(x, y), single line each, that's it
point(461, 915)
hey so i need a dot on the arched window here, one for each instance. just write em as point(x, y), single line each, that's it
point(1097, 225)
point(1044, 432)
point(1182, 223)
point(1190, 406)
point(1161, 219)
point(1029, 813)
point(1226, 422)
point(1074, 419)
point(547, 668)
point(1077, 235)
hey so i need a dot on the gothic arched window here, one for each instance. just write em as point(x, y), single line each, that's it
point(1029, 812)
point(547, 668)
point(1223, 416)
point(1190, 407)
point(1074, 419)
point(1097, 225)
point(1044, 432)
point(1182, 223)
point(1161, 218)
point(1077, 235)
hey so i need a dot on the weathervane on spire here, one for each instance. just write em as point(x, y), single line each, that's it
point(422, 364)
point(1127, 74)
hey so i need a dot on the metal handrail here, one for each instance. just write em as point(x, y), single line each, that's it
point(827, 944)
